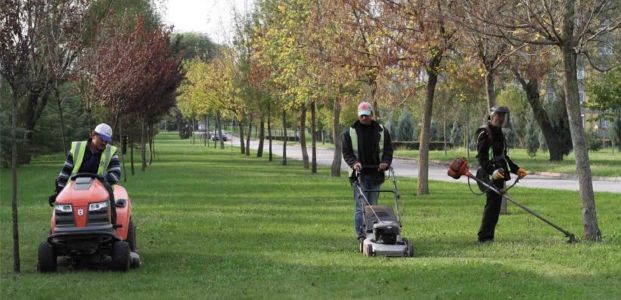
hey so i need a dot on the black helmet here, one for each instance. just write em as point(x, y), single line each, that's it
point(498, 110)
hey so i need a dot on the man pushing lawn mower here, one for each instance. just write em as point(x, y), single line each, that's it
point(367, 149)
point(366, 143)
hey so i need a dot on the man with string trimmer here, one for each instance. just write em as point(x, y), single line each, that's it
point(494, 164)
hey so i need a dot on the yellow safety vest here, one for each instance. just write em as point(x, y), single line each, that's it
point(77, 152)
point(354, 143)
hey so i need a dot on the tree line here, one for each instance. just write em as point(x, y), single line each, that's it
point(311, 62)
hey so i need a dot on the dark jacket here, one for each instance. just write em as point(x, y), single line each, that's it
point(90, 164)
point(498, 157)
point(368, 147)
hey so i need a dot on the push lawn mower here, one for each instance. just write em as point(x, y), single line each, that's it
point(382, 225)
point(82, 228)
point(459, 167)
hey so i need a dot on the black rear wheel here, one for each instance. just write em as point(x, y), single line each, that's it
point(46, 258)
point(131, 236)
point(120, 256)
point(409, 252)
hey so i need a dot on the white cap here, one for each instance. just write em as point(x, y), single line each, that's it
point(104, 131)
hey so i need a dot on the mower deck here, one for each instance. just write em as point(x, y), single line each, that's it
point(370, 248)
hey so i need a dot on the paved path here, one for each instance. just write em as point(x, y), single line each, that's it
point(409, 168)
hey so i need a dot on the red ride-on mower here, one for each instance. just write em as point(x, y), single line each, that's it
point(81, 225)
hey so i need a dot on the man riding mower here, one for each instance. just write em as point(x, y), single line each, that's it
point(91, 216)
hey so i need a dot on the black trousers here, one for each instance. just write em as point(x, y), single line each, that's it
point(491, 212)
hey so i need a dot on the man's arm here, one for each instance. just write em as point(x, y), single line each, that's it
point(63, 177)
point(387, 153)
point(512, 165)
point(113, 174)
point(348, 151)
point(483, 151)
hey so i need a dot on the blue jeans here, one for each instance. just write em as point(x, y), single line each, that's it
point(367, 183)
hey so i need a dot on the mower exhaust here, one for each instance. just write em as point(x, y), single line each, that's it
point(459, 167)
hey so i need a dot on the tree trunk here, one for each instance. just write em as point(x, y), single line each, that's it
point(373, 89)
point(583, 167)
point(489, 87)
point(16, 258)
point(444, 126)
point(131, 155)
point(219, 123)
point(284, 143)
point(62, 120)
point(261, 136)
point(551, 136)
point(269, 132)
point(241, 137)
point(122, 148)
point(143, 147)
point(314, 137)
point(207, 132)
point(192, 131)
point(154, 151)
point(467, 133)
point(303, 137)
point(248, 135)
point(36, 102)
point(423, 153)
point(150, 135)
point(335, 170)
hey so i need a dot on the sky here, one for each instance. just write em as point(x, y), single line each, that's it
point(213, 17)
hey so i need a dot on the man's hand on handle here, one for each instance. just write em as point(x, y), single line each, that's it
point(382, 167)
point(498, 174)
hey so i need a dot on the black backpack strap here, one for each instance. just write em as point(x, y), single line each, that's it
point(487, 130)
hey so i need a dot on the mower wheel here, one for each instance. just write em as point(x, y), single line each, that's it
point(370, 250)
point(46, 258)
point(131, 236)
point(409, 252)
point(120, 256)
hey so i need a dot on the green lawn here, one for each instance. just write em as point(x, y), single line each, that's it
point(215, 224)
point(603, 163)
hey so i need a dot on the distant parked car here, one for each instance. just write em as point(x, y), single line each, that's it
point(216, 137)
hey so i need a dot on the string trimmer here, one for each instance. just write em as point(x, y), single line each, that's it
point(459, 167)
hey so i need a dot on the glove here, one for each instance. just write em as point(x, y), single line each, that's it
point(52, 199)
point(521, 173)
point(382, 167)
point(498, 174)
point(358, 167)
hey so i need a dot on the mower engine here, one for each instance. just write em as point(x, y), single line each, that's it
point(386, 232)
